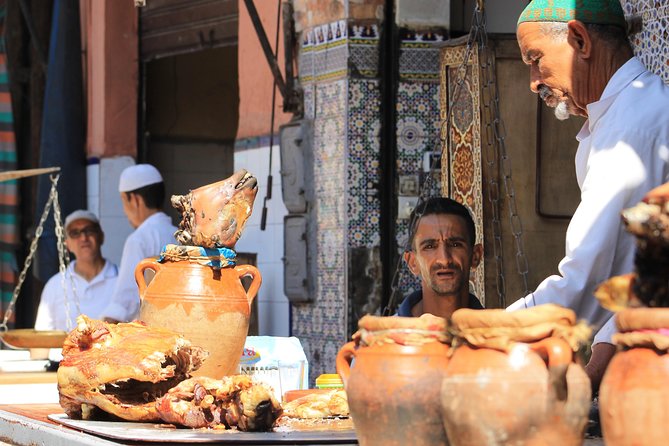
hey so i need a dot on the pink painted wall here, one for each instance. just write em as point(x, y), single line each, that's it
point(109, 34)
point(255, 77)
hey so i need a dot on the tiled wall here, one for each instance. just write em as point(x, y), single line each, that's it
point(363, 174)
point(417, 125)
point(321, 324)
point(339, 65)
point(651, 42)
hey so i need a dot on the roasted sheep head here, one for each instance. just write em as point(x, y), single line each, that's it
point(122, 368)
point(234, 401)
point(213, 216)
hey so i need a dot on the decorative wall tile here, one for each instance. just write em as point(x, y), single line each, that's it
point(363, 50)
point(419, 55)
point(306, 57)
point(309, 100)
point(417, 131)
point(651, 41)
point(322, 325)
point(330, 99)
point(363, 174)
point(329, 51)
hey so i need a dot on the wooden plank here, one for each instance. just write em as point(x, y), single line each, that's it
point(38, 412)
point(28, 377)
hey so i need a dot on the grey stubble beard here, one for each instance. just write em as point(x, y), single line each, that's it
point(561, 111)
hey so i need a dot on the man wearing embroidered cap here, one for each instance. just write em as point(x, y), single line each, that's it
point(142, 193)
point(581, 63)
point(88, 282)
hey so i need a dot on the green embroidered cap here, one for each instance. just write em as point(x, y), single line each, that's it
point(602, 12)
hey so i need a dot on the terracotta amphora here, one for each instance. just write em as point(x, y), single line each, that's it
point(393, 392)
point(522, 394)
point(208, 306)
point(634, 395)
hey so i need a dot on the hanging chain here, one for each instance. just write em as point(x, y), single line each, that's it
point(495, 132)
point(53, 195)
point(488, 93)
point(427, 185)
point(63, 262)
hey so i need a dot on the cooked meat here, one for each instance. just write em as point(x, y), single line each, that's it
point(232, 401)
point(318, 405)
point(213, 216)
point(122, 368)
point(650, 224)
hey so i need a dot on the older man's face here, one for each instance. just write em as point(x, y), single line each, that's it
point(552, 69)
point(84, 239)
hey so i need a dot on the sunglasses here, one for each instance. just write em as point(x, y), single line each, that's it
point(88, 231)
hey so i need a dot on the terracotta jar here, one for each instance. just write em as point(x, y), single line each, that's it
point(393, 392)
point(634, 395)
point(527, 393)
point(207, 306)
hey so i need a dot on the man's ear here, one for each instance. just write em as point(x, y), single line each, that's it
point(579, 38)
point(410, 259)
point(477, 255)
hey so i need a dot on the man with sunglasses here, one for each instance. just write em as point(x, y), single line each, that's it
point(89, 279)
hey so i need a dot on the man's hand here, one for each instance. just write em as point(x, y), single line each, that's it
point(658, 195)
point(601, 355)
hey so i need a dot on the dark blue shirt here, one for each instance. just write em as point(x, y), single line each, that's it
point(415, 297)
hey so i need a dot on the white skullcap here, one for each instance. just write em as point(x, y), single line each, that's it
point(81, 214)
point(139, 175)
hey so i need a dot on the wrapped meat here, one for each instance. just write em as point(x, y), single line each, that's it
point(120, 369)
point(234, 401)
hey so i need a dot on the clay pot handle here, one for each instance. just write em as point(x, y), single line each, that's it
point(344, 359)
point(143, 265)
point(558, 355)
point(250, 270)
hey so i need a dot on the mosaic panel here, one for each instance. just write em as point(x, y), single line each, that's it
point(461, 156)
point(325, 48)
point(305, 58)
point(363, 50)
point(309, 100)
point(322, 325)
point(363, 174)
point(330, 100)
point(419, 101)
point(419, 55)
point(651, 42)
point(417, 133)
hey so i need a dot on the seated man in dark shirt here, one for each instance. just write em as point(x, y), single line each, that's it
point(443, 251)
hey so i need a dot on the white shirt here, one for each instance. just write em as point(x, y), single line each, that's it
point(92, 297)
point(146, 241)
point(623, 153)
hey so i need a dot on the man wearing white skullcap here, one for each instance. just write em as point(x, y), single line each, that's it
point(142, 194)
point(89, 279)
